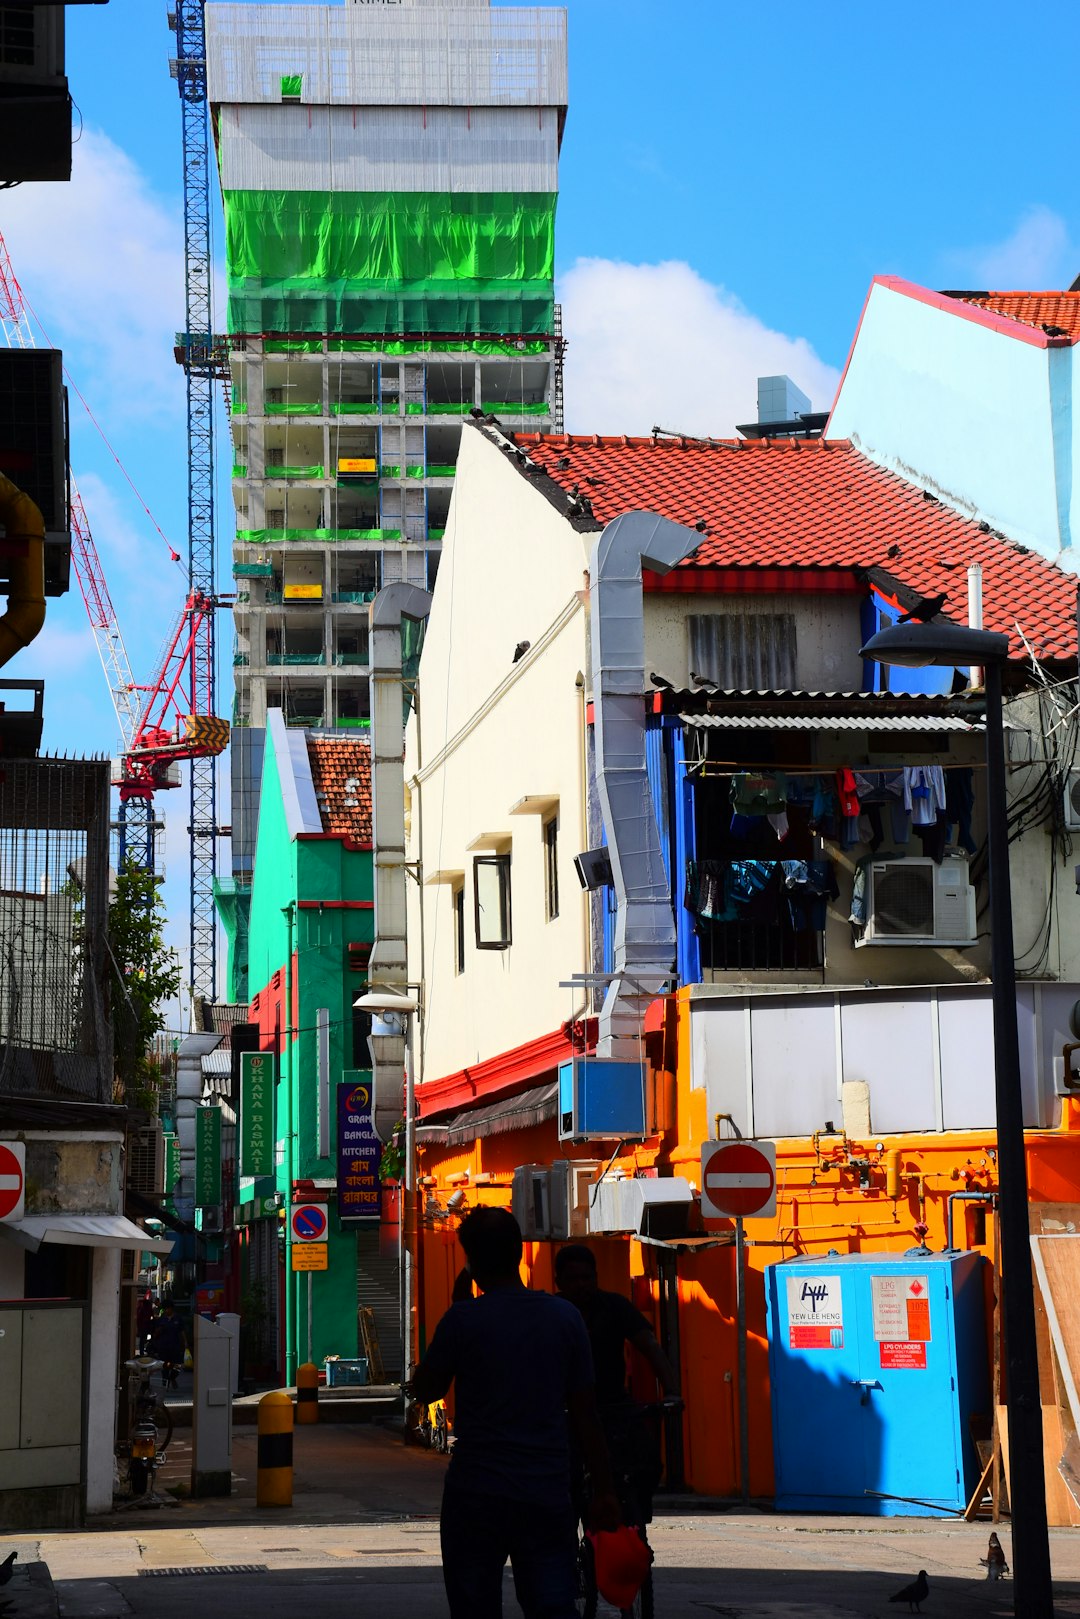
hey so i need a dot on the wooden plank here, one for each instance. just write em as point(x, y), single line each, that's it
point(972, 1509)
point(1057, 1265)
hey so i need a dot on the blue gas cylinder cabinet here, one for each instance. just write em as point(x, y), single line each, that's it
point(878, 1363)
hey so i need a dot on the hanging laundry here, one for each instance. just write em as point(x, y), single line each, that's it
point(779, 824)
point(848, 801)
point(809, 885)
point(750, 878)
point(960, 805)
point(708, 891)
point(758, 794)
point(924, 793)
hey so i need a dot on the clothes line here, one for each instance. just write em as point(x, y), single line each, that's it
point(731, 767)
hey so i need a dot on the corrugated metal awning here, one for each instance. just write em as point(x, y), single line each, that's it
point(83, 1231)
point(828, 722)
point(519, 1112)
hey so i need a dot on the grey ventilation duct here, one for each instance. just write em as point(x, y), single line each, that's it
point(388, 966)
point(644, 923)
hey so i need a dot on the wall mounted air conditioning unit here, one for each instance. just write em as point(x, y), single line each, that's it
point(601, 1098)
point(571, 1182)
point(530, 1200)
point(146, 1160)
point(919, 902)
point(1072, 801)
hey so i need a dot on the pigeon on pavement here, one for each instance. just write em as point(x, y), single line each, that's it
point(7, 1568)
point(913, 1594)
point(994, 1562)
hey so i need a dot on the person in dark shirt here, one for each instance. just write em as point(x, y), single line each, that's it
point(611, 1322)
point(519, 1362)
point(168, 1342)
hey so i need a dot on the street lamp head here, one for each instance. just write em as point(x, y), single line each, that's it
point(915, 645)
point(381, 1001)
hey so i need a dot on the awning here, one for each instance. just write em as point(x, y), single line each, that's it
point(518, 1112)
point(83, 1231)
point(828, 722)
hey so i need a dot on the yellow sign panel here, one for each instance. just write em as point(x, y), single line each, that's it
point(206, 731)
point(351, 464)
point(309, 1256)
point(294, 593)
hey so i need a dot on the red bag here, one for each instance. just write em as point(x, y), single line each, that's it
point(622, 1560)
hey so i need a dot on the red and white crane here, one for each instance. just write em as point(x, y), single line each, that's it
point(159, 723)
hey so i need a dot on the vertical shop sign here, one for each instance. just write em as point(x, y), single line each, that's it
point(359, 1155)
point(257, 1113)
point(207, 1157)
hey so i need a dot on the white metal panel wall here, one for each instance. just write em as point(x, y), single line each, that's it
point(359, 55)
point(889, 1045)
point(312, 148)
point(794, 1065)
point(966, 1028)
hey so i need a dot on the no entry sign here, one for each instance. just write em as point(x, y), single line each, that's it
point(12, 1179)
point(308, 1221)
point(738, 1178)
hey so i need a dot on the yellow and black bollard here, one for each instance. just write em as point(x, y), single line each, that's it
point(274, 1487)
point(307, 1393)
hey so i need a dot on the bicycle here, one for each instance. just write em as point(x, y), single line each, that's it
point(636, 1469)
point(151, 1430)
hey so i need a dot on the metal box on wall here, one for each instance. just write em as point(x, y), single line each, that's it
point(877, 1365)
point(601, 1097)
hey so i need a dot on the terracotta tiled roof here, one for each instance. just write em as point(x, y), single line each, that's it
point(341, 774)
point(817, 504)
point(1060, 310)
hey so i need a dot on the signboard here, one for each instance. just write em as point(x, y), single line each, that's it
point(308, 1222)
point(901, 1308)
point(815, 1312)
point(738, 1179)
point(356, 464)
point(12, 1179)
point(258, 1209)
point(308, 1256)
point(257, 1084)
point(207, 1157)
point(172, 1162)
point(295, 593)
point(899, 1357)
point(359, 1153)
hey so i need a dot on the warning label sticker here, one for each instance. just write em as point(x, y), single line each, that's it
point(902, 1356)
point(901, 1306)
point(815, 1312)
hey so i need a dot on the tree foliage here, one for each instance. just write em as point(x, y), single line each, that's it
point(146, 978)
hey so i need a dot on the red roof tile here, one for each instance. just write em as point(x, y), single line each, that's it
point(817, 504)
point(341, 774)
point(1038, 309)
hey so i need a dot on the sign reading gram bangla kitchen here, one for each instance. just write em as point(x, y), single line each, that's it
point(359, 1152)
point(257, 1080)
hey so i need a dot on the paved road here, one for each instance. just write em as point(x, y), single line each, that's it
point(362, 1537)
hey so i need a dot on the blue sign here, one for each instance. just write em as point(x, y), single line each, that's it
point(359, 1152)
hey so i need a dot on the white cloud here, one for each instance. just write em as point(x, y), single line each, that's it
point(101, 261)
point(658, 344)
point(1037, 255)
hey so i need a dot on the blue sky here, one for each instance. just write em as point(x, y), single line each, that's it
point(731, 179)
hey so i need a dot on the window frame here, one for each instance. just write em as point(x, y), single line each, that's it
point(500, 863)
point(549, 838)
point(457, 911)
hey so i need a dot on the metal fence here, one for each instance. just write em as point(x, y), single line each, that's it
point(55, 1038)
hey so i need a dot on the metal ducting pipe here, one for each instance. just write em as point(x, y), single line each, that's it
point(388, 967)
point(26, 591)
point(644, 922)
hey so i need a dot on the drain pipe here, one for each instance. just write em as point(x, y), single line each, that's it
point(388, 969)
point(644, 921)
point(26, 591)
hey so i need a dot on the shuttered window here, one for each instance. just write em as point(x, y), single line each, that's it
point(744, 652)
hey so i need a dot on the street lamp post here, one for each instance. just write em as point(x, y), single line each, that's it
point(915, 645)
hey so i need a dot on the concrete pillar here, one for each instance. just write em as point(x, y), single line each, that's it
point(101, 1378)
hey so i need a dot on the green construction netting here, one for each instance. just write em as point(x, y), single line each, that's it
point(289, 345)
point(462, 408)
point(293, 407)
point(294, 472)
point(323, 261)
point(515, 407)
point(239, 471)
point(426, 345)
point(414, 472)
point(437, 470)
point(355, 407)
point(435, 533)
point(291, 86)
point(389, 471)
point(321, 536)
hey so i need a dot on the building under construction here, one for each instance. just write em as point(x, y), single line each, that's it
point(389, 175)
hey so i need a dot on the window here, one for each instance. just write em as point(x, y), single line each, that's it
point(491, 892)
point(744, 652)
point(551, 867)
point(457, 899)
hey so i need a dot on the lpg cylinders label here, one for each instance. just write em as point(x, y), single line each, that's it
point(815, 1312)
point(901, 1307)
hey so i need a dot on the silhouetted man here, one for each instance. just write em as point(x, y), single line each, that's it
point(520, 1363)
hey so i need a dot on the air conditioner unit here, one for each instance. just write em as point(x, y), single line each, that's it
point(530, 1200)
point(146, 1160)
point(601, 1098)
point(1072, 801)
point(570, 1184)
point(917, 901)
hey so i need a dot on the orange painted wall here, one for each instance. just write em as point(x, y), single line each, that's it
point(821, 1205)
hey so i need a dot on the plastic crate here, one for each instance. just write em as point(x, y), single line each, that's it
point(340, 1373)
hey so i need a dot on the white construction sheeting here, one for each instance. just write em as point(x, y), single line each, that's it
point(312, 148)
point(373, 56)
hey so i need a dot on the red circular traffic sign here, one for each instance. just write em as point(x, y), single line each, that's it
point(309, 1222)
point(737, 1178)
point(12, 1180)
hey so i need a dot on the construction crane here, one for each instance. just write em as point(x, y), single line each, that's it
point(161, 723)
